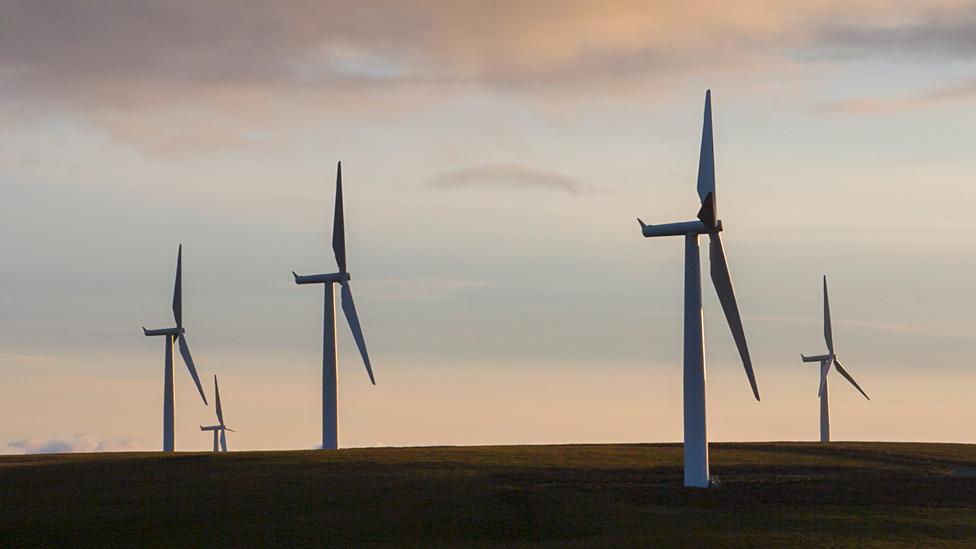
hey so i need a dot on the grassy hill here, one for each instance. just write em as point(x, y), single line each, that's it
point(774, 494)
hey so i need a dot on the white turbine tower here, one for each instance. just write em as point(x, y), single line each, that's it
point(696, 435)
point(826, 361)
point(177, 334)
point(220, 428)
point(330, 393)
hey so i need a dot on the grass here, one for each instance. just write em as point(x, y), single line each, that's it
point(772, 494)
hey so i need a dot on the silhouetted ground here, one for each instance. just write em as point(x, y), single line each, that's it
point(772, 494)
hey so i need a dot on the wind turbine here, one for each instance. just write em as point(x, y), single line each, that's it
point(177, 334)
point(696, 437)
point(825, 363)
point(330, 359)
point(220, 427)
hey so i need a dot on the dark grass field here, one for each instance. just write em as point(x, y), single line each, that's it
point(772, 494)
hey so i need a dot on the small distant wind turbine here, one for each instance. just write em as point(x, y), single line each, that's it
point(696, 437)
point(825, 362)
point(220, 427)
point(330, 391)
point(177, 334)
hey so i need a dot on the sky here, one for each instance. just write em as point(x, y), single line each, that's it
point(495, 158)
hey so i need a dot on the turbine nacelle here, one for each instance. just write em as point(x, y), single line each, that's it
point(321, 278)
point(174, 332)
point(681, 228)
point(217, 428)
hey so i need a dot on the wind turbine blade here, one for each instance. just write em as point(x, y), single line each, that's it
point(726, 295)
point(188, 360)
point(223, 440)
point(828, 333)
point(178, 290)
point(339, 225)
point(844, 373)
point(824, 370)
point(349, 308)
point(706, 162)
point(220, 413)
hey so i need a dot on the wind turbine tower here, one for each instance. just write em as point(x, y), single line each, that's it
point(171, 335)
point(826, 361)
point(219, 429)
point(330, 358)
point(695, 432)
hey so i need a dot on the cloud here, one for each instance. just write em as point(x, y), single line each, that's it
point(960, 91)
point(67, 444)
point(111, 55)
point(512, 176)
point(938, 31)
point(177, 75)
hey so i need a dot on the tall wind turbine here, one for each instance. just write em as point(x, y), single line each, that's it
point(176, 334)
point(696, 437)
point(826, 361)
point(220, 428)
point(330, 359)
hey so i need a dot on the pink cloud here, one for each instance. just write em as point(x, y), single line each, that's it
point(178, 75)
point(954, 92)
point(67, 444)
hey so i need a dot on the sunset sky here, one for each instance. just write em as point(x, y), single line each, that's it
point(495, 156)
